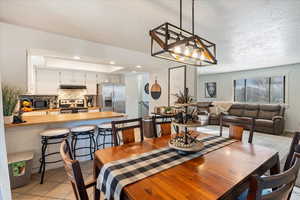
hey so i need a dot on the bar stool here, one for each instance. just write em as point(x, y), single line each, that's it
point(104, 131)
point(85, 132)
point(49, 137)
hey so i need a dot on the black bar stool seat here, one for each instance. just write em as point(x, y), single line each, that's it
point(49, 137)
point(105, 132)
point(85, 132)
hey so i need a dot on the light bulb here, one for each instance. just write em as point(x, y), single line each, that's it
point(187, 51)
point(196, 54)
point(202, 57)
point(177, 49)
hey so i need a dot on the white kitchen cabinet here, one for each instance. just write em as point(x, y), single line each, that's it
point(91, 83)
point(72, 78)
point(47, 82)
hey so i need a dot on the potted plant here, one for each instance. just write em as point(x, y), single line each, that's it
point(10, 97)
point(183, 97)
point(168, 110)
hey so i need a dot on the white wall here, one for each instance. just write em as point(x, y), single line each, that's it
point(5, 192)
point(225, 88)
point(132, 95)
point(16, 40)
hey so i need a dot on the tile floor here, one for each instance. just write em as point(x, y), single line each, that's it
point(57, 187)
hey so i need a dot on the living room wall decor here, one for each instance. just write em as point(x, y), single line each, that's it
point(155, 90)
point(211, 90)
point(146, 88)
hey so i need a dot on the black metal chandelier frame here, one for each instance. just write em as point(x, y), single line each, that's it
point(167, 37)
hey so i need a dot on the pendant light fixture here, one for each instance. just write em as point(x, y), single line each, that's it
point(176, 44)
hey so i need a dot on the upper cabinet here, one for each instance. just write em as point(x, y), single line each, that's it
point(91, 83)
point(72, 78)
point(47, 82)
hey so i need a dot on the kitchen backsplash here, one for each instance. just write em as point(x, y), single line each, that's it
point(71, 94)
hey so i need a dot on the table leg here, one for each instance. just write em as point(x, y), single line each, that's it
point(251, 131)
point(96, 172)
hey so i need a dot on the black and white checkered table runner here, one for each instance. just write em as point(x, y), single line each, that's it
point(117, 174)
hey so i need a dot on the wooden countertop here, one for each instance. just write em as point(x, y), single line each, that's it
point(58, 109)
point(61, 118)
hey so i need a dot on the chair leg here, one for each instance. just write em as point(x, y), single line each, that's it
point(91, 151)
point(43, 162)
point(104, 141)
point(221, 126)
point(94, 143)
point(97, 140)
point(74, 147)
point(42, 158)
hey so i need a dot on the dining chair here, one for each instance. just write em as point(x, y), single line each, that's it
point(236, 132)
point(295, 142)
point(283, 183)
point(74, 173)
point(164, 123)
point(127, 129)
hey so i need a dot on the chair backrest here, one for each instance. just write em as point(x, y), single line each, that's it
point(236, 132)
point(295, 142)
point(165, 125)
point(282, 184)
point(73, 171)
point(127, 128)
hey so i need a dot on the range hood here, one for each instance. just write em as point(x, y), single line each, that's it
point(72, 87)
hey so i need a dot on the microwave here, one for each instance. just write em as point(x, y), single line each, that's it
point(41, 104)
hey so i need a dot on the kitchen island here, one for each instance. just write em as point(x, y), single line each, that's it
point(25, 136)
point(63, 118)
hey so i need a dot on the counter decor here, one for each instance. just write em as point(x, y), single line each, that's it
point(10, 96)
point(186, 142)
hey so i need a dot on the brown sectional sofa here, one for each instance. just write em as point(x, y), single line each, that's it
point(268, 118)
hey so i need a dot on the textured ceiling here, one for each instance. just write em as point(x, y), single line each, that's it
point(248, 34)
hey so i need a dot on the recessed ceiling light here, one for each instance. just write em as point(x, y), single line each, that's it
point(112, 62)
point(138, 66)
point(76, 57)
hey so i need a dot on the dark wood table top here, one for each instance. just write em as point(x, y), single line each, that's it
point(212, 176)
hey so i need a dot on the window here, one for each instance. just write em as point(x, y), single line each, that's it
point(260, 90)
point(239, 90)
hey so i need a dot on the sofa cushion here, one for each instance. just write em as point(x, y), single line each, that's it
point(236, 119)
point(237, 109)
point(263, 123)
point(268, 111)
point(229, 118)
point(203, 104)
point(251, 110)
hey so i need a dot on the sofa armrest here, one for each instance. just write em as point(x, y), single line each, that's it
point(277, 118)
point(203, 112)
point(224, 113)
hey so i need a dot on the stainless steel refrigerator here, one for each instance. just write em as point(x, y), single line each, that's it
point(111, 97)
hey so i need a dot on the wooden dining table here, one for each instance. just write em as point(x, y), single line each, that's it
point(220, 174)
